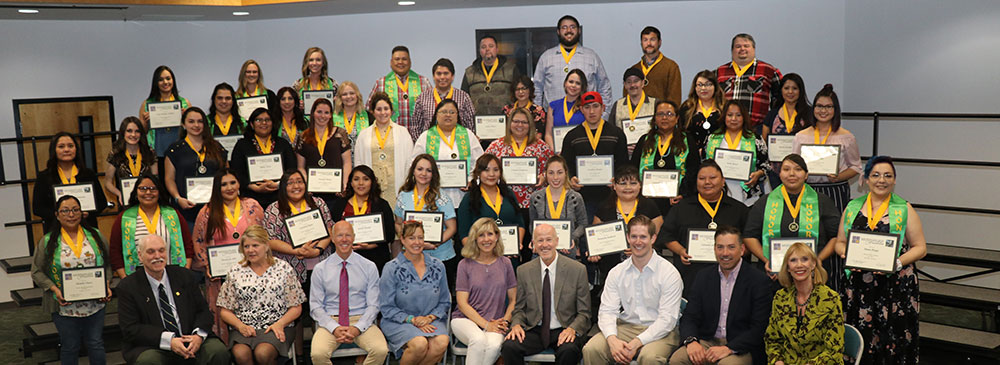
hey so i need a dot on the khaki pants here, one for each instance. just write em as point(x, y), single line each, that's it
point(681, 356)
point(372, 340)
point(597, 350)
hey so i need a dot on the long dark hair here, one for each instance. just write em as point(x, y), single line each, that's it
point(118, 147)
point(297, 114)
point(802, 108)
point(234, 110)
point(53, 163)
point(164, 195)
point(216, 215)
point(827, 91)
point(433, 189)
point(374, 193)
point(677, 145)
point(53, 232)
point(583, 89)
point(283, 207)
point(250, 132)
point(744, 114)
point(458, 116)
point(690, 105)
point(154, 90)
point(477, 196)
point(213, 150)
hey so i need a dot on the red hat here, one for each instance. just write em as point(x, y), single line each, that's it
point(591, 97)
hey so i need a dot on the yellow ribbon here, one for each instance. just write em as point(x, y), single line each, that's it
point(733, 145)
point(628, 216)
point(793, 209)
point(290, 129)
point(489, 75)
point(450, 141)
point(645, 70)
point(706, 111)
point(632, 113)
point(555, 211)
point(349, 123)
point(789, 119)
point(816, 135)
point(741, 71)
point(594, 138)
point(302, 207)
point(437, 98)
point(494, 205)
point(664, 146)
point(402, 85)
point(234, 216)
point(134, 165)
point(873, 219)
point(265, 145)
point(518, 150)
point(359, 210)
point(151, 224)
point(77, 246)
point(224, 127)
point(418, 198)
point(381, 139)
point(201, 155)
point(321, 141)
point(708, 208)
point(568, 56)
point(71, 179)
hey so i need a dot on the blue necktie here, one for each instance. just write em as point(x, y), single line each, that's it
point(169, 322)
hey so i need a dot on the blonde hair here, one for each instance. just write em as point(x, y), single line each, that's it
point(242, 87)
point(798, 248)
point(257, 234)
point(479, 228)
point(410, 227)
point(338, 106)
point(305, 64)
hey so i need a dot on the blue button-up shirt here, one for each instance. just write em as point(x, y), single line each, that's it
point(324, 291)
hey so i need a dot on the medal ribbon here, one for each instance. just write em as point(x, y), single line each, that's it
point(566, 114)
point(494, 205)
point(898, 216)
point(72, 174)
point(632, 113)
point(359, 209)
point(437, 98)
point(77, 246)
point(349, 123)
point(708, 208)
point(382, 138)
point(302, 207)
point(450, 141)
point(631, 214)
point(290, 129)
point(793, 209)
point(645, 70)
point(518, 150)
point(489, 75)
point(201, 155)
point(151, 224)
point(775, 209)
point(664, 146)
point(234, 216)
point(734, 145)
point(321, 141)
point(555, 211)
point(224, 127)
point(739, 71)
point(566, 56)
point(873, 219)
point(265, 145)
point(706, 111)
point(418, 198)
point(527, 106)
point(816, 135)
point(789, 119)
point(134, 165)
point(403, 85)
point(595, 137)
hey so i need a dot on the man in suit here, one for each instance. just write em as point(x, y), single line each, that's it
point(728, 309)
point(553, 305)
point(162, 314)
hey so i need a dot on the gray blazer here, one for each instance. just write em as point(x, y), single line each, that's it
point(572, 299)
point(573, 210)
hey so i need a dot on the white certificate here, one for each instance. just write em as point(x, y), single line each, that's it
point(221, 258)
point(822, 159)
point(325, 180)
point(454, 173)
point(310, 96)
point(735, 164)
point(558, 134)
point(520, 170)
point(606, 238)
point(367, 228)
point(660, 183)
point(164, 114)
point(635, 128)
point(306, 227)
point(780, 245)
point(264, 167)
point(564, 231)
point(433, 224)
point(83, 192)
point(871, 251)
point(491, 126)
point(229, 143)
point(595, 170)
point(246, 106)
point(84, 284)
point(701, 245)
point(198, 189)
point(779, 146)
point(126, 186)
point(508, 235)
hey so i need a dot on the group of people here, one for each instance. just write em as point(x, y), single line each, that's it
point(410, 290)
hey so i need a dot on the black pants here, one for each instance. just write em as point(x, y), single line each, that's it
point(569, 353)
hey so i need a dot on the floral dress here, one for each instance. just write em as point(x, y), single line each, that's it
point(539, 149)
point(274, 223)
point(260, 300)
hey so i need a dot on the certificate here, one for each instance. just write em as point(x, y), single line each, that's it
point(265, 167)
point(822, 159)
point(84, 284)
point(433, 224)
point(508, 236)
point(164, 114)
point(310, 96)
point(83, 192)
point(306, 227)
point(229, 143)
point(491, 126)
point(595, 170)
point(564, 231)
point(735, 164)
point(558, 134)
point(520, 170)
point(367, 228)
point(701, 245)
point(780, 245)
point(325, 180)
point(246, 106)
point(454, 173)
point(198, 189)
point(635, 128)
point(779, 146)
point(660, 183)
point(872, 251)
point(126, 186)
point(606, 238)
point(221, 258)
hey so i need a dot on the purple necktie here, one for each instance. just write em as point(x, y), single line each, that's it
point(343, 317)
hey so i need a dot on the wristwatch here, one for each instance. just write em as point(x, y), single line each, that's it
point(689, 340)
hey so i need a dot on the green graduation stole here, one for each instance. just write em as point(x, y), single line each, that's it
point(260, 91)
point(775, 209)
point(150, 136)
point(647, 158)
point(746, 144)
point(360, 123)
point(897, 218)
point(55, 272)
point(129, 245)
point(412, 88)
point(461, 141)
point(325, 82)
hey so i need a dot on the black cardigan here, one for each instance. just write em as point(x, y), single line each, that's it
point(379, 255)
point(247, 147)
point(44, 198)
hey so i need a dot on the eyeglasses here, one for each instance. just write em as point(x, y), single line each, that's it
point(73, 211)
point(521, 88)
point(296, 182)
point(568, 27)
point(876, 176)
point(146, 188)
point(665, 114)
point(448, 112)
point(262, 120)
point(824, 107)
point(702, 86)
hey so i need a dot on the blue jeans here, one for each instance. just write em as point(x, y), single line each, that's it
point(74, 330)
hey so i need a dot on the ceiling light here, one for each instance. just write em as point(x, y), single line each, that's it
point(241, 13)
point(27, 11)
point(407, 3)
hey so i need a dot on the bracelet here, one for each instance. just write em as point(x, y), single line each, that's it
point(409, 319)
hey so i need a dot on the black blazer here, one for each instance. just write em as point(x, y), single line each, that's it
point(43, 202)
point(139, 313)
point(749, 309)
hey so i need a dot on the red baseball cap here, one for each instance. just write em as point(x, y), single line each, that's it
point(591, 97)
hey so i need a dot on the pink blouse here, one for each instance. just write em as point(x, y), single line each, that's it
point(850, 158)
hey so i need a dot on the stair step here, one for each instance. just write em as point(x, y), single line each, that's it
point(957, 294)
point(964, 337)
point(16, 264)
point(113, 358)
point(962, 256)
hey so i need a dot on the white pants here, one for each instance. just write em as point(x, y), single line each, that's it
point(484, 347)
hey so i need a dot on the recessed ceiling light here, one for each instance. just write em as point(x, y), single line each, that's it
point(241, 13)
point(27, 11)
point(407, 3)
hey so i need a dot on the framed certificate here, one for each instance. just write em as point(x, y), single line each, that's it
point(83, 192)
point(265, 167)
point(701, 245)
point(84, 284)
point(306, 227)
point(198, 189)
point(508, 235)
point(595, 170)
point(558, 134)
point(606, 238)
point(310, 96)
point(325, 180)
point(367, 228)
point(779, 146)
point(564, 231)
point(229, 143)
point(520, 170)
point(221, 258)
point(454, 173)
point(635, 128)
point(780, 245)
point(660, 183)
point(491, 126)
point(433, 224)
point(246, 106)
point(735, 164)
point(126, 186)
point(164, 114)
point(822, 159)
point(871, 251)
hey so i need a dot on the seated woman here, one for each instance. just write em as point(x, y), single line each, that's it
point(260, 299)
point(414, 300)
point(482, 318)
point(148, 212)
point(65, 166)
point(807, 322)
point(363, 197)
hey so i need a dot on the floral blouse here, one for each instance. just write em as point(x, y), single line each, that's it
point(537, 112)
point(816, 338)
point(87, 258)
point(538, 149)
point(274, 223)
point(260, 300)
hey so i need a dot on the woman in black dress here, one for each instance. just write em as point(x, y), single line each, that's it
point(260, 139)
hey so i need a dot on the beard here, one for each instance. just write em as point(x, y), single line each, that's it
point(569, 42)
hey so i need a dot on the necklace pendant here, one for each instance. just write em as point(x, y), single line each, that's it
point(202, 169)
point(382, 156)
point(236, 235)
point(713, 225)
point(794, 226)
point(406, 96)
point(321, 163)
point(661, 163)
point(487, 88)
point(706, 125)
point(566, 69)
point(499, 222)
point(454, 155)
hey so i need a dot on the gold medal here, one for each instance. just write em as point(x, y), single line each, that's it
point(382, 156)
point(322, 162)
point(487, 88)
point(794, 226)
point(236, 235)
point(713, 225)
point(566, 69)
point(661, 163)
point(454, 155)
point(202, 169)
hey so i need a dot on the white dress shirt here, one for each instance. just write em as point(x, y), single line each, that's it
point(650, 297)
point(166, 336)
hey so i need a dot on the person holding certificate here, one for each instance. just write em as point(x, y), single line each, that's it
point(323, 145)
point(191, 162)
point(314, 73)
point(363, 197)
point(883, 305)
point(149, 212)
point(251, 85)
point(558, 202)
point(634, 112)
point(223, 115)
point(259, 300)
point(293, 120)
point(825, 130)
point(414, 299)
point(130, 156)
point(747, 182)
point(163, 89)
point(385, 147)
point(489, 197)
point(260, 181)
point(443, 72)
point(667, 148)
point(293, 199)
point(522, 141)
point(788, 119)
point(422, 193)
point(490, 77)
point(522, 92)
point(602, 144)
point(65, 168)
point(447, 139)
point(807, 322)
point(404, 86)
point(77, 304)
point(349, 113)
point(700, 114)
point(565, 111)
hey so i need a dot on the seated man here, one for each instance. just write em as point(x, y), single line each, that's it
point(553, 305)
point(728, 309)
point(345, 314)
point(162, 314)
point(639, 306)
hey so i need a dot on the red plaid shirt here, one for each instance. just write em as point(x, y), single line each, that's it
point(755, 89)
